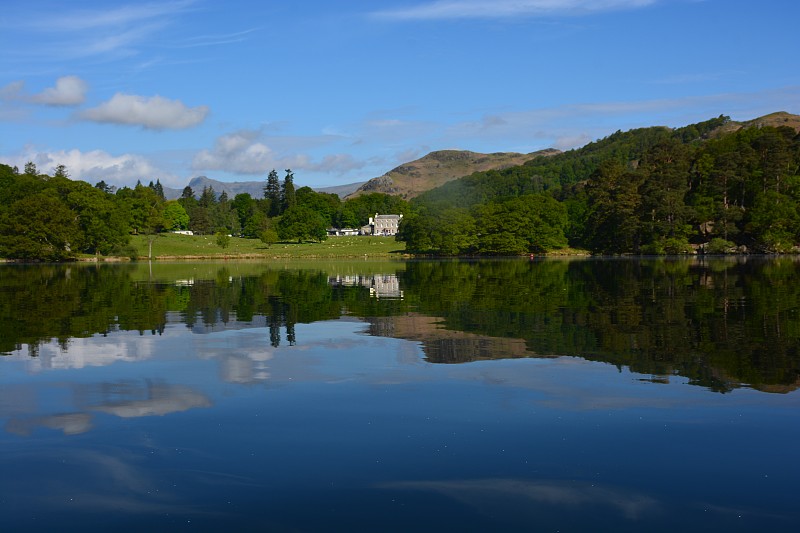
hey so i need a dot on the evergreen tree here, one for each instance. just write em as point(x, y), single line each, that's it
point(272, 192)
point(207, 198)
point(288, 196)
point(614, 201)
point(159, 189)
point(61, 171)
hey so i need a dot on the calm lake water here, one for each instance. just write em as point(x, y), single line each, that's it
point(584, 395)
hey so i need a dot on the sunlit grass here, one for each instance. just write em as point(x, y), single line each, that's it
point(171, 246)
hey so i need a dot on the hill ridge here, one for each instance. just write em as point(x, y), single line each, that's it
point(441, 166)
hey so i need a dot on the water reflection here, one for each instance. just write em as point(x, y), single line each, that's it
point(492, 396)
point(379, 285)
point(69, 423)
point(133, 399)
point(515, 496)
point(722, 324)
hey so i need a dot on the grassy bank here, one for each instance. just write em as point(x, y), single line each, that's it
point(171, 246)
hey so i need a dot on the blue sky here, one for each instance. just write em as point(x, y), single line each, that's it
point(343, 91)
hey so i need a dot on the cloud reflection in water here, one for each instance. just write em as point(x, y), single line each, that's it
point(493, 495)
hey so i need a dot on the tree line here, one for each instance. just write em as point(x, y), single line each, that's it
point(53, 218)
point(708, 187)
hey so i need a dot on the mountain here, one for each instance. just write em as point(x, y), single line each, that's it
point(775, 120)
point(437, 168)
point(253, 188)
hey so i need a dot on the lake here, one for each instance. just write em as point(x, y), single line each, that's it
point(546, 395)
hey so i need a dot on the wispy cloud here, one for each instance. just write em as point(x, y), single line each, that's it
point(100, 19)
point(155, 112)
point(496, 9)
point(213, 40)
point(105, 33)
point(694, 78)
point(12, 90)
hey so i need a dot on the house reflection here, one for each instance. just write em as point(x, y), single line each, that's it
point(379, 285)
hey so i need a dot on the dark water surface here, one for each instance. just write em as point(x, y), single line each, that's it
point(588, 395)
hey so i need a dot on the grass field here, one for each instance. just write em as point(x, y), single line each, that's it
point(171, 246)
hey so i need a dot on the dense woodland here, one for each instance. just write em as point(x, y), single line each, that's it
point(704, 187)
point(53, 218)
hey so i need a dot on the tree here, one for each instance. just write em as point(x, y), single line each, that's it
point(614, 203)
point(157, 188)
point(60, 171)
point(208, 197)
point(175, 216)
point(663, 193)
point(39, 227)
point(302, 224)
point(223, 239)
point(414, 230)
point(451, 231)
point(200, 220)
point(145, 212)
point(288, 197)
point(103, 186)
point(100, 218)
point(272, 192)
point(30, 169)
point(530, 223)
point(326, 204)
point(775, 221)
point(269, 237)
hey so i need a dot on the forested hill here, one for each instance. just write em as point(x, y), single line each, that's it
point(437, 168)
point(716, 186)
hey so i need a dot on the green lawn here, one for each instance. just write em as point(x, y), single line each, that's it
point(171, 246)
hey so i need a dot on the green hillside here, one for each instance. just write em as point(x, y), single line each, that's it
point(717, 186)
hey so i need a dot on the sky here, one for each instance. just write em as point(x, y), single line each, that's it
point(342, 91)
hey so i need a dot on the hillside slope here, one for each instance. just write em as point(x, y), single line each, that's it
point(437, 168)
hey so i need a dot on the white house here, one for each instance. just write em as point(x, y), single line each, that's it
point(384, 224)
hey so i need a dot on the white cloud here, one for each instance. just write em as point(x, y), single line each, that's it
point(494, 9)
point(69, 90)
point(160, 399)
point(95, 165)
point(245, 152)
point(240, 152)
point(155, 113)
